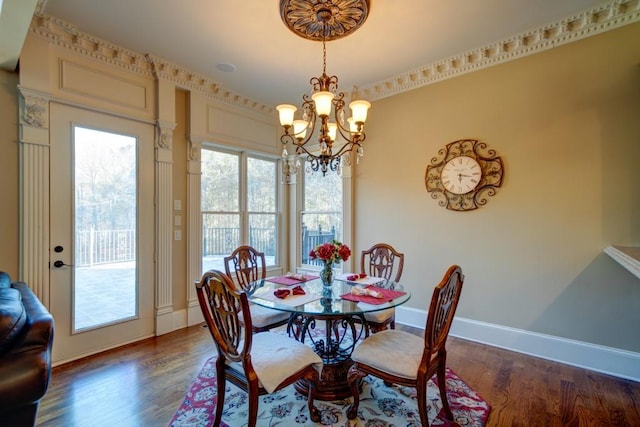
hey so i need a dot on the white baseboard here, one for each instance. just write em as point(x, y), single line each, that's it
point(186, 317)
point(607, 360)
point(194, 315)
point(180, 319)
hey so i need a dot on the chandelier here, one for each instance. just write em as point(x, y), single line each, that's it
point(323, 112)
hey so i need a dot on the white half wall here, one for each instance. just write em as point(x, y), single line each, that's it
point(606, 360)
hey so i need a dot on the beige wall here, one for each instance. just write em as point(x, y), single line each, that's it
point(9, 167)
point(179, 266)
point(567, 125)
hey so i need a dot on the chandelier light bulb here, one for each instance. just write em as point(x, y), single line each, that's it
point(359, 110)
point(322, 100)
point(333, 130)
point(286, 112)
point(300, 129)
point(353, 126)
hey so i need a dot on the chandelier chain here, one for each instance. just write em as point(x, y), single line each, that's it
point(324, 51)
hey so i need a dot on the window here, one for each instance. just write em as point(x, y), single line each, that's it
point(239, 206)
point(262, 202)
point(321, 218)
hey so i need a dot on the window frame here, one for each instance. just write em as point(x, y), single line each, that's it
point(297, 203)
point(243, 202)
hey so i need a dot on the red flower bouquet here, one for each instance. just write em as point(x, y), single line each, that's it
point(331, 252)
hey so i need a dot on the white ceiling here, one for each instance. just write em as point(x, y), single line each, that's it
point(273, 65)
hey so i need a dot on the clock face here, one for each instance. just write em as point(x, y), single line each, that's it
point(461, 175)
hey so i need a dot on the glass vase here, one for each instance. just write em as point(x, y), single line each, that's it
point(326, 274)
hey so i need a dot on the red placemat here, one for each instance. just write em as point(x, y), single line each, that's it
point(288, 281)
point(387, 295)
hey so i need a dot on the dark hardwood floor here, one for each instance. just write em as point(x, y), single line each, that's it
point(142, 384)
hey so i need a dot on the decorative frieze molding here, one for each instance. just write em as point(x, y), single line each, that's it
point(34, 113)
point(66, 35)
point(187, 79)
point(195, 149)
point(165, 135)
point(34, 108)
point(608, 16)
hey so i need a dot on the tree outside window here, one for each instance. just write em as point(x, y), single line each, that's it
point(322, 214)
point(239, 206)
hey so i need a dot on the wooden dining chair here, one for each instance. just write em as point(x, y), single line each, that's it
point(247, 359)
point(399, 357)
point(246, 265)
point(382, 260)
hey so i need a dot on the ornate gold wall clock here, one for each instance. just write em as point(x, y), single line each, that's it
point(464, 174)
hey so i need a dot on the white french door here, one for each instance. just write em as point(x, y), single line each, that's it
point(101, 231)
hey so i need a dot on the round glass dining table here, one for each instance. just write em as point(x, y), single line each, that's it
point(328, 318)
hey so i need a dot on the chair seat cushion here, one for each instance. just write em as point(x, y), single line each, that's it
point(380, 316)
point(377, 316)
point(276, 357)
point(264, 316)
point(392, 351)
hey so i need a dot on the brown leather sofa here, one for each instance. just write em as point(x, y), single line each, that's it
point(26, 338)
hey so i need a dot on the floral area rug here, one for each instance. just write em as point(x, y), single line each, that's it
point(379, 405)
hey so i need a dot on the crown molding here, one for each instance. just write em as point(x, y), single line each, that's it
point(67, 36)
point(600, 19)
point(611, 15)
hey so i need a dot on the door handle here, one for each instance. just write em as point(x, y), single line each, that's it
point(60, 264)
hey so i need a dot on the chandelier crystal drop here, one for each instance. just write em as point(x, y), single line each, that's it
point(323, 112)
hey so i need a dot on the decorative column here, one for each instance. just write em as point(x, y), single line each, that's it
point(194, 230)
point(164, 211)
point(347, 214)
point(292, 205)
point(34, 191)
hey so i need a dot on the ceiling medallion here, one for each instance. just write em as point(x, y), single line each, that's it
point(324, 19)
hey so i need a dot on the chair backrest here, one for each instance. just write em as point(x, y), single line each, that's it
point(245, 265)
point(382, 260)
point(444, 303)
point(222, 306)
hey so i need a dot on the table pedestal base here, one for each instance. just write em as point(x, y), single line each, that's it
point(334, 344)
point(333, 383)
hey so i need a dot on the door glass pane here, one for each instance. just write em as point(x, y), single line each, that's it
point(105, 260)
point(220, 199)
point(322, 214)
point(261, 201)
